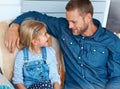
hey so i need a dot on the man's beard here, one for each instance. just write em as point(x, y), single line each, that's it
point(83, 30)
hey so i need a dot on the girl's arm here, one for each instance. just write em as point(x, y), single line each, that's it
point(56, 85)
point(21, 86)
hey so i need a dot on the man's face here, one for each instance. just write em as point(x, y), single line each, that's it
point(77, 23)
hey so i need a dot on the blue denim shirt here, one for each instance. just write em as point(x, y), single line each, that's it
point(90, 62)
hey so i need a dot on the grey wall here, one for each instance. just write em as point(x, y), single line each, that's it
point(113, 22)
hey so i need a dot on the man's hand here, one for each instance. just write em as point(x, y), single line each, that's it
point(12, 37)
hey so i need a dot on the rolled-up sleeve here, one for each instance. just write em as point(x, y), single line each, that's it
point(114, 65)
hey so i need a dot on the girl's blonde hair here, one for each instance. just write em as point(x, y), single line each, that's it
point(29, 31)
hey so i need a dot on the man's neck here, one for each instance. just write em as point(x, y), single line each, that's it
point(91, 30)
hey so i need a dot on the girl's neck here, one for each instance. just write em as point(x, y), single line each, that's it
point(35, 50)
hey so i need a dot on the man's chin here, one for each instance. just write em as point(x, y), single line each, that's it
point(74, 33)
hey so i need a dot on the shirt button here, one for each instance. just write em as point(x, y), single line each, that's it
point(38, 68)
point(63, 38)
point(83, 76)
point(103, 52)
point(36, 63)
point(79, 57)
point(94, 50)
point(26, 61)
point(81, 65)
point(71, 43)
point(83, 37)
point(81, 47)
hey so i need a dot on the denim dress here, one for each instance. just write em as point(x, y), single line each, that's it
point(37, 71)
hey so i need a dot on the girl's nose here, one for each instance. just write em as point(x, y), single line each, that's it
point(48, 35)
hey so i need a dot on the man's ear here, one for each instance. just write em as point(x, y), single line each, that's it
point(88, 17)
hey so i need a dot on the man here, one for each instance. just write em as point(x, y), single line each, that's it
point(91, 53)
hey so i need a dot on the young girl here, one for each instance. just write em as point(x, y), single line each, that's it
point(35, 65)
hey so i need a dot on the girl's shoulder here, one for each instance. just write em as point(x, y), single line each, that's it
point(19, 53)
point(50, 50)
point(51, 55)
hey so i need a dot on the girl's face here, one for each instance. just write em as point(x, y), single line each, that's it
point(42, 38)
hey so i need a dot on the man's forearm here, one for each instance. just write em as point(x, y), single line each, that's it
point(14, 27)
point(114, 83)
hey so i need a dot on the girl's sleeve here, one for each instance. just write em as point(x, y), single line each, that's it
point(18, 66)
point(53, 74)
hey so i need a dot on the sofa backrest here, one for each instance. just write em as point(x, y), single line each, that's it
point(6, 58)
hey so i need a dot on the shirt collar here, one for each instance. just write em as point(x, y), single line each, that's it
point(99, 31)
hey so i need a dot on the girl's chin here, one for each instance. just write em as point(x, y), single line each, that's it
point(46, 44)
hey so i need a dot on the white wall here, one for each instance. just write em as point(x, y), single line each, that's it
point(9, 9)
point(57, 8)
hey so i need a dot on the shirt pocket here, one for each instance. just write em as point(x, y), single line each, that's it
point(67, 39)
point(69, 44)
point(97, 56)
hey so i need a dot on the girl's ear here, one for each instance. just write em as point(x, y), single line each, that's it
point(34, 42)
